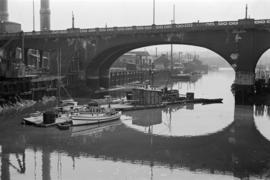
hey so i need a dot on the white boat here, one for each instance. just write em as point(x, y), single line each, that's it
point(88, 118)
point(94, 114)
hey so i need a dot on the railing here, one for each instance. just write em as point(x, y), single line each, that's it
point(144, 28)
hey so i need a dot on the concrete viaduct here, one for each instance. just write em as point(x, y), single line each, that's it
point(241, 43)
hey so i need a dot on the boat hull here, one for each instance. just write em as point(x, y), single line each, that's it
point(78, 120)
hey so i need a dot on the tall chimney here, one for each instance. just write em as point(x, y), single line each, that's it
point(45, 21)
point(3, 10)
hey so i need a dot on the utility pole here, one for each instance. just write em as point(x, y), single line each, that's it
point(246, 12)
point(33, 15)
point(73, 26)
point(154, 11)
point(173, 22)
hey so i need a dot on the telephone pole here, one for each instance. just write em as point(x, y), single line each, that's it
point(154, 11)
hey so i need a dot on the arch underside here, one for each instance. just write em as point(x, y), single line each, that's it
point(100, 65)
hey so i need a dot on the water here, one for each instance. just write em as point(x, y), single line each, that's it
point(217, 141)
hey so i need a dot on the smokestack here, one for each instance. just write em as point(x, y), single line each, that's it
point(3, 10)
point(45, 21)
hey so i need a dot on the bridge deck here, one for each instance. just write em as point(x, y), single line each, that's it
point(242, 23)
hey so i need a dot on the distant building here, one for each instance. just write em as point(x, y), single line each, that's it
point(134, 60)
point(125, 62)
point(161, 63)
point(143, 60)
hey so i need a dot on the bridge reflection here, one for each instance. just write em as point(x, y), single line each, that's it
point(239, 149)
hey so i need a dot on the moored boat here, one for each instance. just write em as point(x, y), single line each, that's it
point(94, 114)
point(64, 125)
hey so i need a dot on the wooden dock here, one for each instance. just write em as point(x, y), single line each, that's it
point(38, 122)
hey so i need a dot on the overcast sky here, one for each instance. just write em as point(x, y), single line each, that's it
point(97, 13)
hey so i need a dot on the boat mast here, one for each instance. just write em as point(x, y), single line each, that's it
point(58, 60)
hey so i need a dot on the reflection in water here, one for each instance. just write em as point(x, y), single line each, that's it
point(94, 130)
point(175, 147)
point(180, 121)
point(262, 110)
point(262, 119)
point(238, 150)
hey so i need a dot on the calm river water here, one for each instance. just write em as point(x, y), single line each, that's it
point(216, 141)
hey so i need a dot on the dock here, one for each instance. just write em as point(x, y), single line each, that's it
point(38, 122)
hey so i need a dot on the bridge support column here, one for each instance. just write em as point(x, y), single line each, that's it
point(105, 78)
point(244, 87)
point(92, 78)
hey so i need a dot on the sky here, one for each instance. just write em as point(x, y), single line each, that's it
point(99, 13)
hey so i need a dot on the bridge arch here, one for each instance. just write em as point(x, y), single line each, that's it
point(100, 76)
point(262, 68)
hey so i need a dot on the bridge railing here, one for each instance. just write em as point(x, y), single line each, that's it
point(144, 28)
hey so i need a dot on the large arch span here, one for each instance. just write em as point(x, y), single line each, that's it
point(240, 49)
point(97, 73)
point(107, 58)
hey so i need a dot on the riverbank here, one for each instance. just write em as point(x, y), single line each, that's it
point(24, 106)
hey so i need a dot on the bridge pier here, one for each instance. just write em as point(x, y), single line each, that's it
point(244, 87)
point(93, 82)
point(104, 78)
point(93, 77)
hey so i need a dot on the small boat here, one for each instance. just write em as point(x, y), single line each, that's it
point(94, 114)
point(64, 125)
point(210, 101)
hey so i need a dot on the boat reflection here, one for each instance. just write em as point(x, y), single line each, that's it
point(181, 121)
point(94, 130)
point(261, 110)
point(237, 150)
